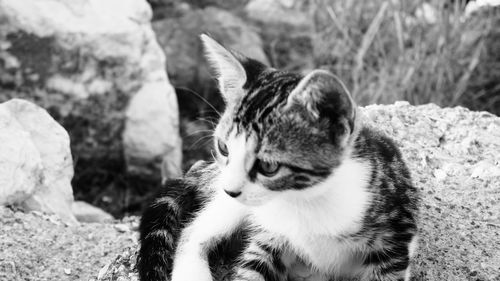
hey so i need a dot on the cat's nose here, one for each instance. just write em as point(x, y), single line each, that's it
point(233, 194)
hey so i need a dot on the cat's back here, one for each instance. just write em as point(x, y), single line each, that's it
point(394, 206)
point(385, 158)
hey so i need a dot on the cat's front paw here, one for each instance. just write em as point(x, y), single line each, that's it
point(194, 271)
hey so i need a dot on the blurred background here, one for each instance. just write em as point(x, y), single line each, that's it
point(99, 70)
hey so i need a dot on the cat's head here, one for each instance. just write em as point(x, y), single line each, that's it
point(281, 132)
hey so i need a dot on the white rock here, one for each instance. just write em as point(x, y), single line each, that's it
point(99, 48)
point(440, 174)
point(85, 212)
point(43, 169)
point(20, 162)
point(120, 227)
point(485, 170)
point(152, 126)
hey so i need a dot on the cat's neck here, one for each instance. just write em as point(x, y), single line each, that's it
point(332, 207)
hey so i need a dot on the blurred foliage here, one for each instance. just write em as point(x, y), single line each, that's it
point(398, 50)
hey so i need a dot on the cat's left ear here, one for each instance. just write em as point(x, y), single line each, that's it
point(230, 72)
point(323, 95)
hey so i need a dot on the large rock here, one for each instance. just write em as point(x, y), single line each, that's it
point(35, 160)
point(20, 161)
point(454, 157)
point(151, 133)
point(98, 68)
point(187, 67)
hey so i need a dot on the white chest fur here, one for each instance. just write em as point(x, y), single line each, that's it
point(312, 220)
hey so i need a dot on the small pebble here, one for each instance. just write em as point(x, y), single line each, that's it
point(122, 227)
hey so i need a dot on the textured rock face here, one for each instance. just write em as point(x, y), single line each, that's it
point(97, 56)
point(151, 133)
point(454, 157)
point(36, 165)
point(179, 38)
point(20, 164)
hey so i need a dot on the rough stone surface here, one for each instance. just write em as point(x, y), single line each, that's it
point(151, 133)
point(454, 156)
point(20, 162)
point(37, 163)
point(93, 55)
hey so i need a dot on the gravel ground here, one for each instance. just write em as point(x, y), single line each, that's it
point(454, 155)
point(35, 246)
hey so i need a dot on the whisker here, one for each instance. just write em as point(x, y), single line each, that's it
point(212, 153)
point(200, 132)
point(200, 97)
point(207, 112)
point(212, 123)
point(200, 139)
point(208, 119)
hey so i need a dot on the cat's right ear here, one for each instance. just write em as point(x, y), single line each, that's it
point(323, 94)
point(230, 72)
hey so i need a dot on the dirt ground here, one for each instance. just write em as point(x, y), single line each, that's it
point(39, 247)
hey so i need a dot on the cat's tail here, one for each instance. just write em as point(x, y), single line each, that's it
point(161, 225)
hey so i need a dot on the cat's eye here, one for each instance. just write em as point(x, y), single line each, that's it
point(222, 148)
point(267, 169)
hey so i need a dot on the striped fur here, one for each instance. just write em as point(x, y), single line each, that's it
point(303, 188)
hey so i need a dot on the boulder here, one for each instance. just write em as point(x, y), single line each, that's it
point(36, 166)
point(187, 67)
point(20, 161)
point(85, 212)
point(453, 156)
point(151, 135)
point(97, 67)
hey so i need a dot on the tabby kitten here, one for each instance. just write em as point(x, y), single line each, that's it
point(316, 193)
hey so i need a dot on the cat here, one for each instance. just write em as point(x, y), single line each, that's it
point(309, 189)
